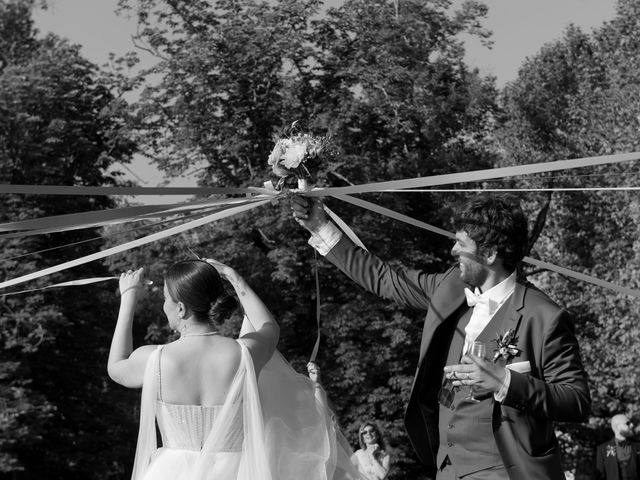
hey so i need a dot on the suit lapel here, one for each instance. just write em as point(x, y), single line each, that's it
point(611, 461)
point(507, 317)
point(448, 298)
point(512, 314)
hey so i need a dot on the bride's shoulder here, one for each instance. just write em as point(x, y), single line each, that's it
point(226, 347)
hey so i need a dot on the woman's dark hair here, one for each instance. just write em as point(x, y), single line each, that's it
point(198, 285)
point(496, 222)
point(369, 423)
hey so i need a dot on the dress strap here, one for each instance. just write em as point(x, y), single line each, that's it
point(147, 442)
point(159, 376)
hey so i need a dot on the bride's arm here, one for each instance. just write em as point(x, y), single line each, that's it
point(126, 366)
point(263, 337)
point(246, 327)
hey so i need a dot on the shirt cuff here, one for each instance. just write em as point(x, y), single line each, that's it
point(501, 394)
point(327, 236)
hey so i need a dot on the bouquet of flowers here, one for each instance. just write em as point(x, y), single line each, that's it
point(296, 157)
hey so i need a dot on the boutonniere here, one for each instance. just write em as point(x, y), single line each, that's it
point(611, 451)
point(506, 346)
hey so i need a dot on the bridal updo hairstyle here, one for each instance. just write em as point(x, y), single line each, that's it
point(198, 285)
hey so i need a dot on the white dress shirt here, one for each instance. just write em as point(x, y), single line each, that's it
point(327, 236)
point(489, 303)
point(485, 309)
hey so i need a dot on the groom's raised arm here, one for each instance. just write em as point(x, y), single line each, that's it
point(407, 287)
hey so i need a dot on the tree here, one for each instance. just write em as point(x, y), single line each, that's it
point(57, 406)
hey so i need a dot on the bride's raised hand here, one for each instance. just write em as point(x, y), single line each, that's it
point(131, 281)
point(225, 271)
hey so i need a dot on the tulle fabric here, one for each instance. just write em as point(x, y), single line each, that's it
point(302, 441)
point(289, 431)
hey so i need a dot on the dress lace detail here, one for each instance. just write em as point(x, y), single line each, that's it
point(187, 426)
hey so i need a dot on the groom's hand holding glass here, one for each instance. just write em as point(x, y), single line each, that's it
point(476, 372)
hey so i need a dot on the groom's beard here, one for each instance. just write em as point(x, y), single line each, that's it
point(472, 272)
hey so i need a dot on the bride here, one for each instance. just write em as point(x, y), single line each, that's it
point(226, 409)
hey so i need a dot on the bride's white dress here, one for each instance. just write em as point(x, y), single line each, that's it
point(271, 428)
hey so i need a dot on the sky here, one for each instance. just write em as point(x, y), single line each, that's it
point(520, 28)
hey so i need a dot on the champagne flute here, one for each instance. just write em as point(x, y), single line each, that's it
point(478, 349)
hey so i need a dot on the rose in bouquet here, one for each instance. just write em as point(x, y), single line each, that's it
point(297, 157)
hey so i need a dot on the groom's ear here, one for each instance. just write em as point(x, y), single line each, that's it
point(491, 256)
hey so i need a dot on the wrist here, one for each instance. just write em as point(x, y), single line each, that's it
point(129, 291)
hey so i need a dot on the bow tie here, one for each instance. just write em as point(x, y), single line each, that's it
point(476, 298)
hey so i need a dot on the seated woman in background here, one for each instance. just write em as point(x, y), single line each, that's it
point(372, 460)
point(226, 409)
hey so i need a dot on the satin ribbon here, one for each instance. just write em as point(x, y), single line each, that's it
point(72, 283)
point(393, 214)
point(100, 237)
point(135, 243)
point(316, 346)
point(135, 191)
point(345, 228)
point(477, 175)
point(436, 180)
point(514, 190)
point(340, 192)
point(433, 180)
point(538, 263)
point(98, 218)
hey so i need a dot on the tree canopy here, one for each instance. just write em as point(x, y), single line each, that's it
point(56, 405)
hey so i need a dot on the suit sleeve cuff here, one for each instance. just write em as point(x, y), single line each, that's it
point(501, 394)
point(327, 236)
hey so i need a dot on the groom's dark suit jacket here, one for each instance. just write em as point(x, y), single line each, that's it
point(554, 390)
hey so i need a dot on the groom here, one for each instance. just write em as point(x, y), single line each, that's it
point(533, 378)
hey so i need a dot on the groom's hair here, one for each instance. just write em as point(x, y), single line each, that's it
point(496, 222)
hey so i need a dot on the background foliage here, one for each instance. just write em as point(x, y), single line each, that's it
point(57, 406)
point(387, 81)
